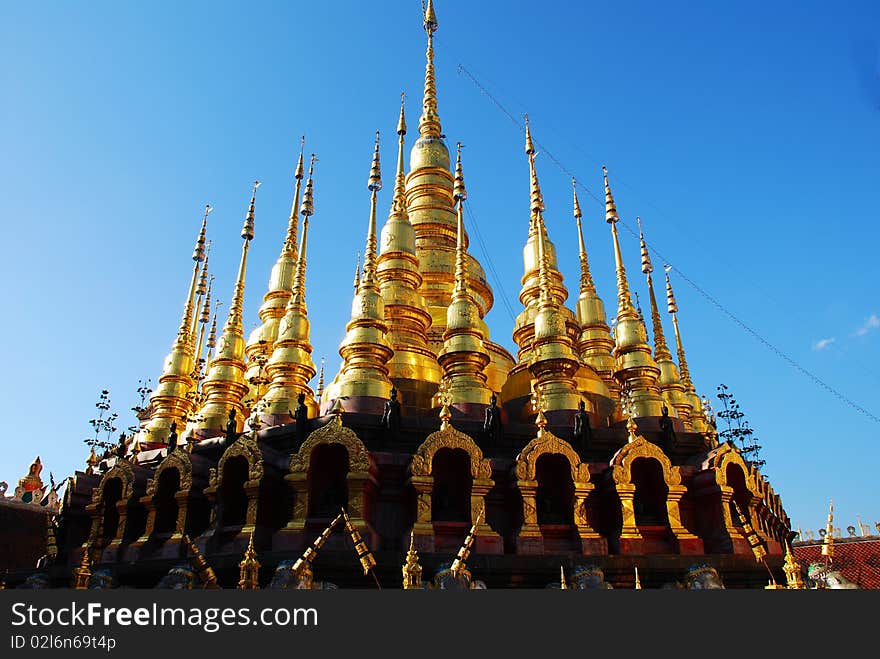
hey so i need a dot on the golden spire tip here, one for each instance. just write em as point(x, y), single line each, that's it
point(374, 184)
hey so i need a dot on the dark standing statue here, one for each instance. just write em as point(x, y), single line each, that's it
point(120, 447)
point(391, 415)
point(172, 438)
point(492, 424)
point(582, 431)
point(668, 432)
point(231, 427)
point(301, 417)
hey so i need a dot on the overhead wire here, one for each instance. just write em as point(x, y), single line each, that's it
point(668, 263)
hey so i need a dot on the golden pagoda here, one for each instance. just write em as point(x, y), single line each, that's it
point(556, 457)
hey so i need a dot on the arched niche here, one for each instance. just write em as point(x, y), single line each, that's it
point(554, 453)
point(441, 447)
point(332, 440)
point(117, 516)
point(631, 469)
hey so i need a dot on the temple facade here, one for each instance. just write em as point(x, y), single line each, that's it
point(588, 447)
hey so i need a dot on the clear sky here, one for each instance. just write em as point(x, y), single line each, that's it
point(745, 134)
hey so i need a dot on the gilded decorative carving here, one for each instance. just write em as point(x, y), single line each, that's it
point(423, 460)
point(640, 447)
point(179, 460)
point(333, 433)
point(122, 470)
point(547, 442)
point(247, 447)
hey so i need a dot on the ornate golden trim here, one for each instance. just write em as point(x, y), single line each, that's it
point(359, 458)
point(621, 462)
point(547, 442)
point(423, 460)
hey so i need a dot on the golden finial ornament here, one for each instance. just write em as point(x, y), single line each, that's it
point(92, 461)
point(201, 291)
point(82, 573)
point(636, 369)
point(412, 571)
point(302, 568)
point(463, 357)
point(357, 271)
point(320, 390)
point(290, 367)
point(365, 350)
point(171, 400)
point(135, 450)
point(755, 543)
point(638, 585)
point(204, 571)
point(792, 570)
point(562, 583)
point(413, 362)
point(459, 565)
point(670, 382)
point(828, 540)
point(261, 341)
point(429, 123)
point(698, 417)
point(225, 386)
point(249, 568)
point(365, 556)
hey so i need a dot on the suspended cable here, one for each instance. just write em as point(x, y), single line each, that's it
point(705, 294)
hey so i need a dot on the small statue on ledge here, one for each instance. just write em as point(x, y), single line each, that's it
point(172, 438)
point(231, 427)
point(582, 431)
point(120, 447)
point(301, 416)
point(668, 432)
point(391, 414)
point(492, 424)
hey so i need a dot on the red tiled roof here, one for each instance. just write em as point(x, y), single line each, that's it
point(858, 559)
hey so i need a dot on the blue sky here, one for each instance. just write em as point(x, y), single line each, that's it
point(745, 135)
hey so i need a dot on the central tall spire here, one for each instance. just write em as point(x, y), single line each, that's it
point(413, 368)
point(429, 123)
point(431, 207)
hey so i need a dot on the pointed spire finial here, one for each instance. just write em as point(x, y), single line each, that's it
point(458, 190)
point(401, 122)
point(611, 215)
point(320, 390)
point(357, 271)
point(587, 285)
point(429, 123)
point(647, 266)
point(247, 229)
point(638, 581)
point(199, 251)
point(308, 203)
point(375, 182)
point(562, 584)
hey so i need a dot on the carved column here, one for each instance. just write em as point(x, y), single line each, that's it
point(423, 530)
point(631, 540)
point(360, 485)
point(252, 491)
point(687, 542)
point(487, 541)
point(740, 544)
point(529, 539)
point(591, 541)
